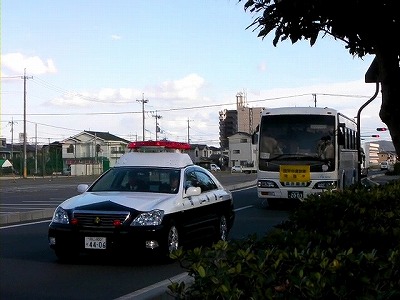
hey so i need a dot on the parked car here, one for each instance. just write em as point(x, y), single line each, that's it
point(214, 167)
point(384, 165)
point(364, 172)
point(236, 169)
point(133, 206)
point(66, 171)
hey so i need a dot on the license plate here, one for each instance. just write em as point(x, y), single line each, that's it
point(295, 195)
point(95, 242)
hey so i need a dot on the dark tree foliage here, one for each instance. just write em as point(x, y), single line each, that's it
point(365, 26)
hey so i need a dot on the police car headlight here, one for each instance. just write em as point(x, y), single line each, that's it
point(149, 218)
point(60, 216)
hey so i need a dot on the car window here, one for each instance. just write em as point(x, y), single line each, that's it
point(205, 181)
point(173, 184)
point(200, 179)
point(154, 180)
point(190, 179)
point(109, 181)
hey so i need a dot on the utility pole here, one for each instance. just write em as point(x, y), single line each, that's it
point(25, 78)
point(315, 99)
point(143, 101)
point(188, 127)
point(156, 116)
point(36, 152)
point(12, 137)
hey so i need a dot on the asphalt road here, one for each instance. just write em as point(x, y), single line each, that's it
point(30, 270)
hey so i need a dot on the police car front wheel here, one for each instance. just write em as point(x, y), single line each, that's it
point(173, 239)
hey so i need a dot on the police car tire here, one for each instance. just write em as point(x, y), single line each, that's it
point(222, 229)
point(172, 239)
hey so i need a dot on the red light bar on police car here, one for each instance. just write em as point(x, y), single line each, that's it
point(161, 144)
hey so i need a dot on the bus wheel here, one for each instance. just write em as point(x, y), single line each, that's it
point(272, 203)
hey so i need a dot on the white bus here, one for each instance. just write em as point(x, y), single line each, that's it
point(305, 150)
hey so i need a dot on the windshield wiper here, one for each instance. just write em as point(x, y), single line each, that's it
point(295, 156)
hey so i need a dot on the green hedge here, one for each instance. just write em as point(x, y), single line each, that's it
point(339, 245)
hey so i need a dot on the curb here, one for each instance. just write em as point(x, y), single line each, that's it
point(26, 216)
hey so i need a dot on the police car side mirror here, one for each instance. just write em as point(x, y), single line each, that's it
point(82, 188)
point(192, 191)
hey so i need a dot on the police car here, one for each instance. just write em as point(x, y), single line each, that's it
point(154, 199)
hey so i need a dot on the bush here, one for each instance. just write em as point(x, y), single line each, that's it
point(343, 245)
point(396, 169)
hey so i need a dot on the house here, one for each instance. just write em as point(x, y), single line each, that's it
point(91, 152)
point(241, 150)
point(201, 153)
point(387, 156)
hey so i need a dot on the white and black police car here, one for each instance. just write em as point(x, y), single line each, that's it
point(154, 199)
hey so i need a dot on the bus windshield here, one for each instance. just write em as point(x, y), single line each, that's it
point(297, 137)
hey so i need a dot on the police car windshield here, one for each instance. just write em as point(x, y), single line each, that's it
point(134, 179)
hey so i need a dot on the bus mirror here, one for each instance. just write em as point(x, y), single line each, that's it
point(254, 138)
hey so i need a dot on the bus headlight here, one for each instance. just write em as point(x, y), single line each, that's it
point(268, 184)
point(325, 168)
point(325, 185)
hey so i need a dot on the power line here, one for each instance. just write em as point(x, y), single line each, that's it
point(77, 114)
point(190, 108)
point(66, 92)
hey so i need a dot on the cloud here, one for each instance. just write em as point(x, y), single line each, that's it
point(186, 88)
point(175, 91)
point(17, 62)
point(86, 99)
point(262, 67)
point(115, 37)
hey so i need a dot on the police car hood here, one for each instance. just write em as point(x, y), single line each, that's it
point(130, 200)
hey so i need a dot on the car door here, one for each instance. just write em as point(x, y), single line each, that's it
point(200, 213)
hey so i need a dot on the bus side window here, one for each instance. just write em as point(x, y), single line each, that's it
point(341, 135)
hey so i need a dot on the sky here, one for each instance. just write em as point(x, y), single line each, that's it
point(102, 65)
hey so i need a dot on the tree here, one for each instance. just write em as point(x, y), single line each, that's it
point(365, 26)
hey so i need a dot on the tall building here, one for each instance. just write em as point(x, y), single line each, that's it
point(371, 153)
point(243, 119)
point(228, 126)
point(248, 117)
